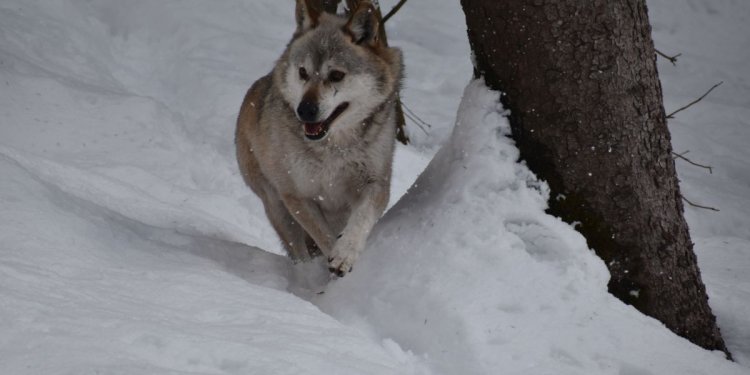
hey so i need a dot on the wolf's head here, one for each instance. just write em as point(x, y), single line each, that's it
point(336, 71)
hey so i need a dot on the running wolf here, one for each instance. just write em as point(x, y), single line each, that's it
point(315, 137)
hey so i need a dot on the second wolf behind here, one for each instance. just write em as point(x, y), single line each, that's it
point(315, 137)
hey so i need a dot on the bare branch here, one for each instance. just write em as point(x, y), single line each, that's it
point(672, 59)
point(671, 115)
point(393, 11)
point(699, 206)
point(682, 156)
point(416, 122)
point(416, 119)
point(425, 123)
point(330, 6)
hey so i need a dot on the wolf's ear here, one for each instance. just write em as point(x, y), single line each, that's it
point(306, 15)
point(363, 24)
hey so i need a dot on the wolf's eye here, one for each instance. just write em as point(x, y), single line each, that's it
point(336, 76)
point(303, 74)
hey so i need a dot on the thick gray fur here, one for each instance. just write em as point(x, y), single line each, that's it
point(324, 194)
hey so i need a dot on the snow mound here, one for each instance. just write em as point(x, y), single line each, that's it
point(470, 273)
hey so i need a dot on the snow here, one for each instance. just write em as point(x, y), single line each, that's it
point(129, 244)
point(491, 281)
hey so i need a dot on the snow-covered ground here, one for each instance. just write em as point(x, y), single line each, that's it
point(129, 244)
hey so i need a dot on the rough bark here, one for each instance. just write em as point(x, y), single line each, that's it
point(580, 80)
point(330, 6)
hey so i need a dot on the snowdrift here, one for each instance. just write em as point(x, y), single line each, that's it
point(468, 272)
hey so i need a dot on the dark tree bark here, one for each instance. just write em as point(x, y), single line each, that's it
point(330, 6)
point(580, 80)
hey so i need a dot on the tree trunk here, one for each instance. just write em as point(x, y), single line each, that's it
point(330, 6)
point(580, 80)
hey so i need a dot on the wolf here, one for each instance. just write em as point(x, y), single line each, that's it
point(315, 137)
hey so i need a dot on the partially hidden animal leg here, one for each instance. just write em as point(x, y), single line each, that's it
point(289, 230)
point(308, 214)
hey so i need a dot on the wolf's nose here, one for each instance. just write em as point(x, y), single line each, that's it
point(308, 111)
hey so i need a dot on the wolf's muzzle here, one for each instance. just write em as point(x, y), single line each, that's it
point(307, 111)
point(315, 131)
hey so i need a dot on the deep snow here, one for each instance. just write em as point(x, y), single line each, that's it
point(128, 243)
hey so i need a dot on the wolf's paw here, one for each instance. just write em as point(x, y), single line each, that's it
point(341, 260)
point(339, 265)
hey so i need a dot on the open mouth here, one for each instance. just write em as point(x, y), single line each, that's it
point(317, 130)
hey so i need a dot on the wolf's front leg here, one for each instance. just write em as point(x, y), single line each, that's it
point(291, 233)
point(364, 215)
point(308, 214)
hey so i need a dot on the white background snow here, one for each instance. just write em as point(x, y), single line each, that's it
point(129, 244)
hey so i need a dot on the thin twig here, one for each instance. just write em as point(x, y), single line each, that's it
point(416, 122)
point(671, 115)
point(425, 123)
point(682, 156)
point(699, 206)
point(393, 11)
point(672, 59)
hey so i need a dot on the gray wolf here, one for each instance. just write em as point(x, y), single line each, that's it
point(315, 137)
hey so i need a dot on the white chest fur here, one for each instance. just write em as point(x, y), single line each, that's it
point(332, 177)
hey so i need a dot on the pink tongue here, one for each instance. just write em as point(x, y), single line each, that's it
point(313, 128)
